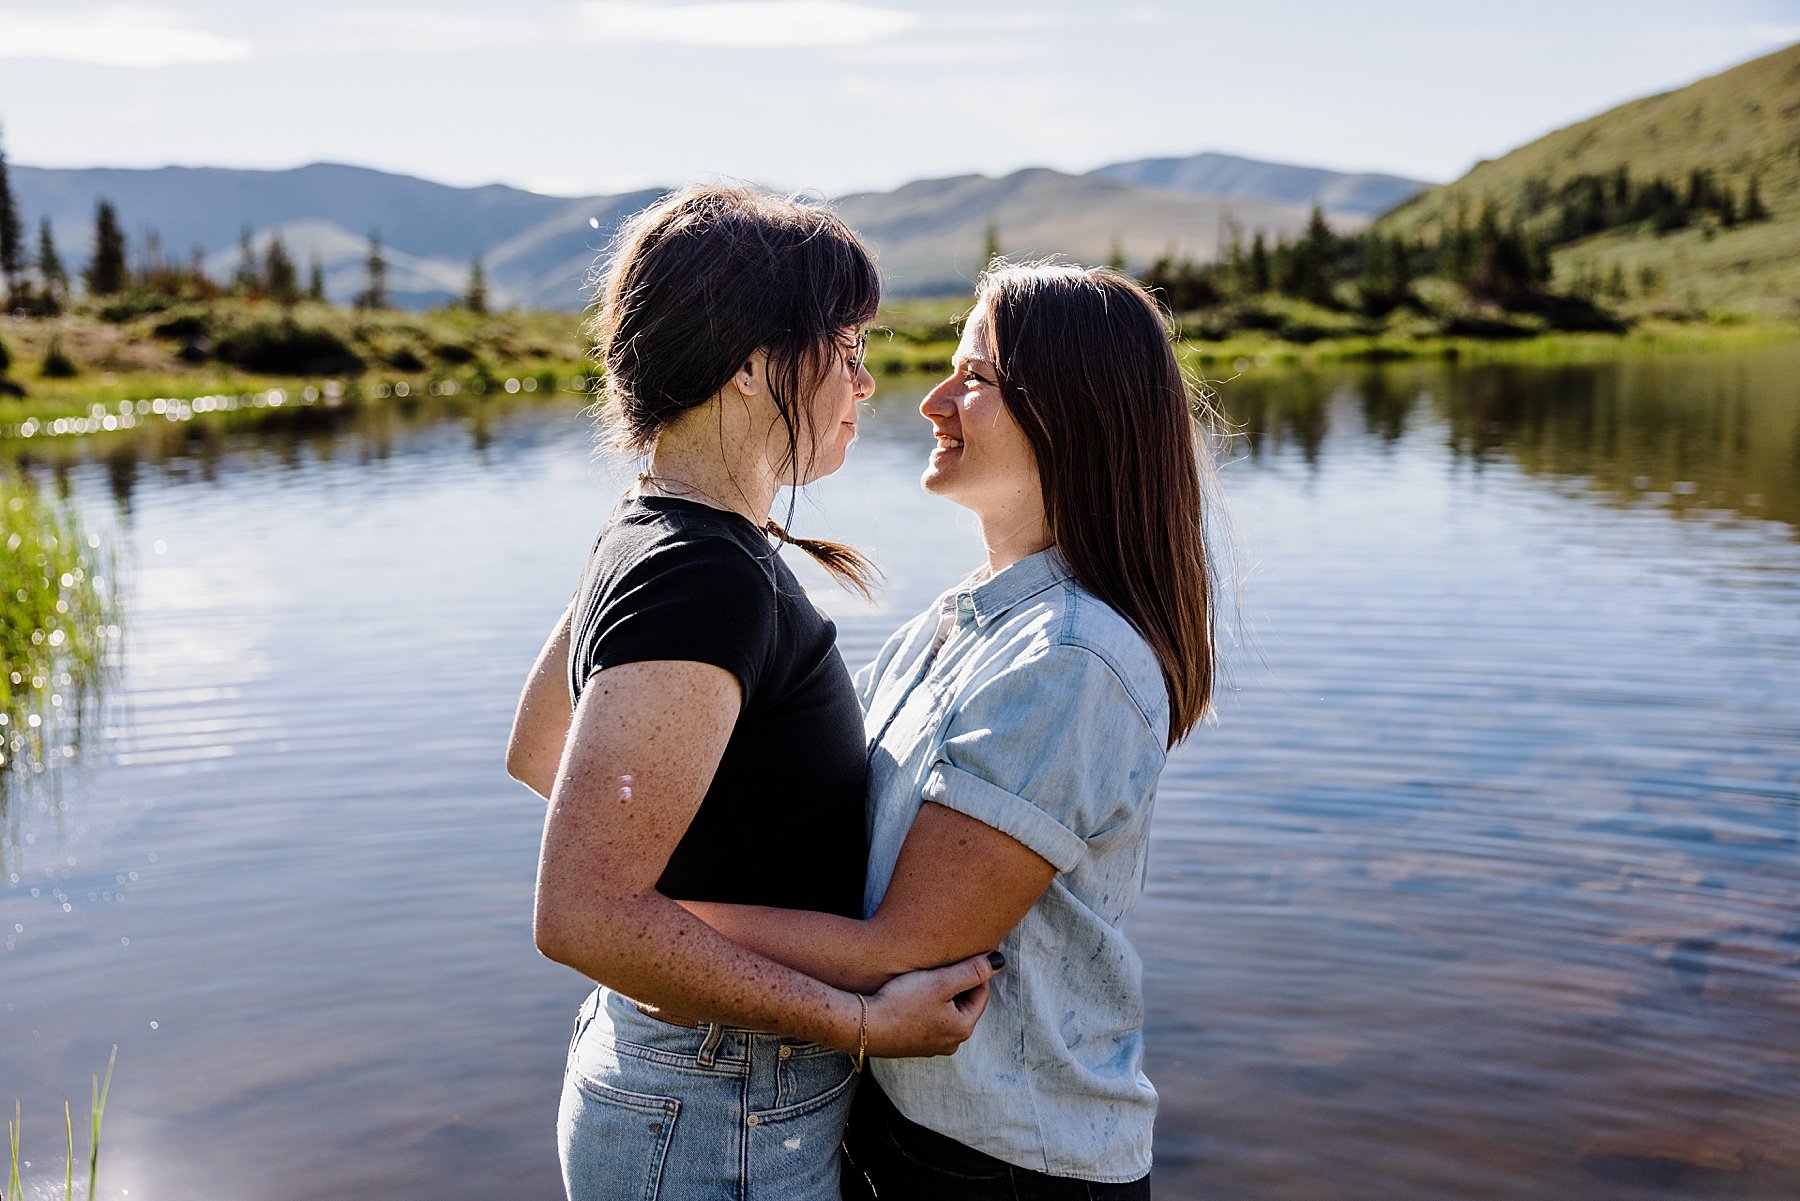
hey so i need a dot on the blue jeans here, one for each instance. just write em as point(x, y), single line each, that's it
point(658, 1112)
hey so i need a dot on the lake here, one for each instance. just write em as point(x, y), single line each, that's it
point(1484, 882)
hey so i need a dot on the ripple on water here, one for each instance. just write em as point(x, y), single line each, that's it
point(1480, 886)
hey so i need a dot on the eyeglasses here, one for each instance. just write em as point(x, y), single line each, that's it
point(859, 353)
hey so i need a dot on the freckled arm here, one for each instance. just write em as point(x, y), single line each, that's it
point(541, 722)
point(959, 888)
point(645, 741)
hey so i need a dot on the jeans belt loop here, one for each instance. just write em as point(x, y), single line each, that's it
point(709, 1049)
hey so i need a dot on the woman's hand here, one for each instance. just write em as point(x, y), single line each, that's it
point(931, 1012)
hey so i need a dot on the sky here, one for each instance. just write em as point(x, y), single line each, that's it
point(581, 97)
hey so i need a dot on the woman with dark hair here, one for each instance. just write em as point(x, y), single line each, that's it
point(698, 735)
point(1018, 729)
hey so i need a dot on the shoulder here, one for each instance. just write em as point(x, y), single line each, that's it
point(643, 544)
point(1067, 631)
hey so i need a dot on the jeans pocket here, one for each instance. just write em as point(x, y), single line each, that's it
point(614, 1143)
point(807, 1074)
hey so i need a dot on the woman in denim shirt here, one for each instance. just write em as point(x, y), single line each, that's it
point(1018, 727)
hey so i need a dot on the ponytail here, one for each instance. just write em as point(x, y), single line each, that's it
point(847, 565)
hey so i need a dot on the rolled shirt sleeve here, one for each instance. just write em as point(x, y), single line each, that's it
point(1050, 752)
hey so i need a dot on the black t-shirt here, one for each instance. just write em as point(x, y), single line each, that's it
point(782, 823)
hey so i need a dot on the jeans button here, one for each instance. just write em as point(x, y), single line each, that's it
point(786, 1052)
point(751, 1119)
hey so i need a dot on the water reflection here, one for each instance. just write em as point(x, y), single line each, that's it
point(59, 627)
point(290, 437)
point(1682, 434)
point(1481, 887)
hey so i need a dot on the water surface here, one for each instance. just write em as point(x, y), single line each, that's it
point(1482, 884)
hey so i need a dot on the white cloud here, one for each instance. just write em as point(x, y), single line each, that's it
point(114, 35)
point(794, 23)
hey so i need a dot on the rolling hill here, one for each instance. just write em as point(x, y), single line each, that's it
point(1229, 177)
point(537, 250)
point(930, 234)
point(1739, 124)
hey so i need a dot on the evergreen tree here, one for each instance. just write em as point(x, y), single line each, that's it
point(1236, 267)
point(51, 273)
point(12, 232)
point(1510, 267)
point(106, 274)
point(1260, 275)
point(315, 281)
point(1386, 281)
point(1727, 206)
point(1309, 262)
point(376, 295)
point(1754, 210)
point(247, 279)
point(990, 244)
point(475, 299)
point(1115, 255)
point(1457, 251)
point(280, 279)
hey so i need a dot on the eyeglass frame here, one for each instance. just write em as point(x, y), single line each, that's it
point(859, 352)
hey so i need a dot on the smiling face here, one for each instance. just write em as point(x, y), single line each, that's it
point(983, 460)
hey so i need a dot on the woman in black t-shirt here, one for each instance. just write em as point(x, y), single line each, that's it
point(705, 743)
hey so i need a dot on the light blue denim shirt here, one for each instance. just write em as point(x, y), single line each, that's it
point(1027, 703)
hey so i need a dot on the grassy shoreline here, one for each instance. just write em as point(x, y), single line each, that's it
point(126, 369)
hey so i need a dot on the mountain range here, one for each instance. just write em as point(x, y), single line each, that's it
point(538, 251)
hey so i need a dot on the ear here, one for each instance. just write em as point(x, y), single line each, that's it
point(752, 374)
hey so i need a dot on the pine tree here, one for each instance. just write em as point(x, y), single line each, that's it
point(990, 244)
point(1728, 207)
point(1260, 276)
point(376, 295)
point(1754, 210)
point(51, 273)
point(247, 279)
point(279, 278)
point(12, 232)
point(475, 299)
point(106, 274)
point(315, 281)
point(1309, 274)
point(1456, 255)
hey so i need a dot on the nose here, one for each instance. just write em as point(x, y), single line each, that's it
point(937, 402)
point(865, 383)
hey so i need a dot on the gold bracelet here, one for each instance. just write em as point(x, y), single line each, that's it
point(862, 1033)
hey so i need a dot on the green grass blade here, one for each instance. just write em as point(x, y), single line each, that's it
point(99, 1109)
point(13, 1129)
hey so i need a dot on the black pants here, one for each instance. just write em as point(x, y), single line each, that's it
point(886, 1156)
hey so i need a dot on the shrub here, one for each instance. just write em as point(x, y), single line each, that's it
point(404, 359)
point(284, 347)
point(57, 365)
point(184, 327)
point(121, 309)
point(5, 358)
